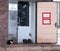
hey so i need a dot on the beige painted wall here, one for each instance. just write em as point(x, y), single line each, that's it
point(46, 33)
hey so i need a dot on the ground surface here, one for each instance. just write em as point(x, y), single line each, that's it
point(31, 47)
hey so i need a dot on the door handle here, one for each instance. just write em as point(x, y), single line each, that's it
point(30, 34)
point(18, 20)
point(55, 24)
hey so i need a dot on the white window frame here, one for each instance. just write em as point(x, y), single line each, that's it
point(58, 23)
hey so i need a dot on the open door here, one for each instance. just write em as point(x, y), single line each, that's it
point(26, 22)
point(23, 21)
point(46, 22)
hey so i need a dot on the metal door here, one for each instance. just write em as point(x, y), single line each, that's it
point(23, 21)
point(46, 22)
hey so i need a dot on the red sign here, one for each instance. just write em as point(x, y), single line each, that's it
point(46, 18)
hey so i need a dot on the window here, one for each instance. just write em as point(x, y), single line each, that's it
point(23, 13)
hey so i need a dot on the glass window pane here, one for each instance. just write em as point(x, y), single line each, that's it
point(23, 13)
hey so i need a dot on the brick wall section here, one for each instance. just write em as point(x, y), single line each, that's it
point(3, 20)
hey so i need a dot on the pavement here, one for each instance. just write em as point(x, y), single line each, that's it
point(30, 47)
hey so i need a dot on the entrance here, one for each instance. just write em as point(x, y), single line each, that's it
point(46, 22)
point(25, 24)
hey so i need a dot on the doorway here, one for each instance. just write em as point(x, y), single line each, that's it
point(26, 22)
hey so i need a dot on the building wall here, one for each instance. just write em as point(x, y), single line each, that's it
point(3, 20)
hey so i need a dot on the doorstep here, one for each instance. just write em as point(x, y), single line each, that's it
point(31, 47)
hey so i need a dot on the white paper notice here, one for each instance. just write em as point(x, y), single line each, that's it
point(46, 21)
point(56, 0)
point(46, 15)
point(13, 7)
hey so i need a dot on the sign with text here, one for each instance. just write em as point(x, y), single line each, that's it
point(13, 7)
point(46, 18)
point(56, 0)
